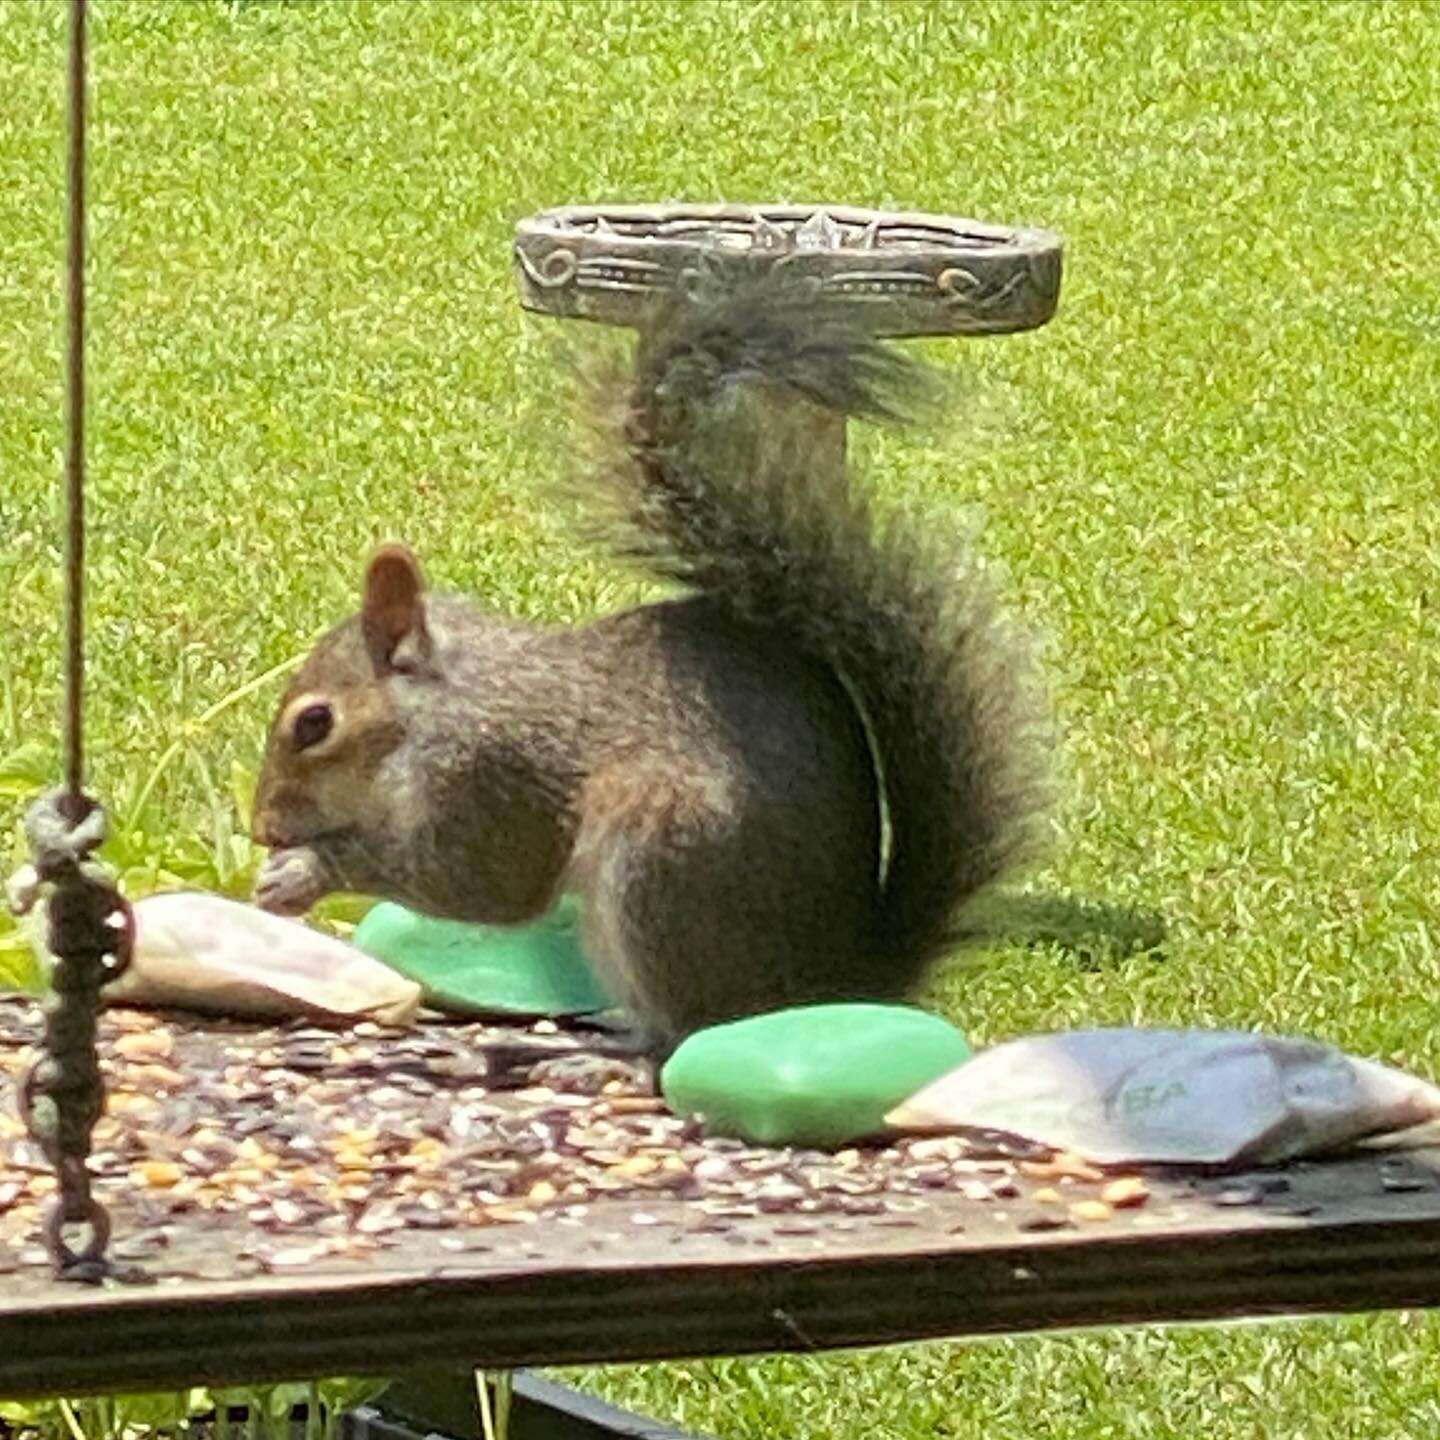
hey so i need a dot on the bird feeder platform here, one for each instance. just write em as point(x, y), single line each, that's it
point(294, 1201)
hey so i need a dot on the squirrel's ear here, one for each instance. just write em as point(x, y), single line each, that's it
point(393, 608)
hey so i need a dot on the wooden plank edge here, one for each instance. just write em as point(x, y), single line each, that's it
point(257, 1330)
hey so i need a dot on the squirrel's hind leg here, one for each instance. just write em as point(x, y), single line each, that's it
point(702, 905)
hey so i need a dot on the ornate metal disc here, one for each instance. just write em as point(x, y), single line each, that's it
point(909, 274)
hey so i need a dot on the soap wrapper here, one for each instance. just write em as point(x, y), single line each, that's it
point(199, 952)
point(1196, 1097)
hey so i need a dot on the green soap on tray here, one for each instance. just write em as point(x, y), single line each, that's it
point(818, 1075)
point(534, 969)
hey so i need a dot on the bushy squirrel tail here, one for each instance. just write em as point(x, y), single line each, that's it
point(718, 477)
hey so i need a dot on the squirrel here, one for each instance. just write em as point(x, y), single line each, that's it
point(783, 786)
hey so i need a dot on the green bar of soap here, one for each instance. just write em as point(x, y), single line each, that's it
point(534, 969)
point(819, 1075)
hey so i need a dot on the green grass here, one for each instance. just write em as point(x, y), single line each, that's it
point(1210, 482)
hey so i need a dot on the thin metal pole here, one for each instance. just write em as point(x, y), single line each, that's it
point(74, 738)
point(63, 1095)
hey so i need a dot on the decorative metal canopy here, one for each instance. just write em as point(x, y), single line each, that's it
point(911, 274)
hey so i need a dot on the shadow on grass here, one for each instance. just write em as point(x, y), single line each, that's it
point(1094, 932)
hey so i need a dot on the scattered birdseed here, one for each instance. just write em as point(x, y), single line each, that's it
point(1125, 1193)
point(298, 1145)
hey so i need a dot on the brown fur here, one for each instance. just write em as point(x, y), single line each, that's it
point(713, 774)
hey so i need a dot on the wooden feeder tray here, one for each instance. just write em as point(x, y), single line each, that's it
point(299, 1201)
point(908, 274)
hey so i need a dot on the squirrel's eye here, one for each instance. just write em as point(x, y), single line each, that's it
point(312, 725)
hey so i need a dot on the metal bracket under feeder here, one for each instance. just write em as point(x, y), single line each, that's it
point(442, 1404)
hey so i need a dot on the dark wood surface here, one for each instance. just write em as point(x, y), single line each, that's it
point(613, 1291)
point(663, 1274)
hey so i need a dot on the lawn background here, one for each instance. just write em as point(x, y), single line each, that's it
point(1210, 484)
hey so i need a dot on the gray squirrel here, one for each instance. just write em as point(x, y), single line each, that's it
point(787, 786)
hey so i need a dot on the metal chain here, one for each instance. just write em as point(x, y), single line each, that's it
point(64, 1095)
point(90, 925)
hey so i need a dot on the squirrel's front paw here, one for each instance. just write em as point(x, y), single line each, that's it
point(290, 882)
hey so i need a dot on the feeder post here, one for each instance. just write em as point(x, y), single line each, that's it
point(904, 274)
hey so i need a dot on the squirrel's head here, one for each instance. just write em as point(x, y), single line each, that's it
point(340, 719)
